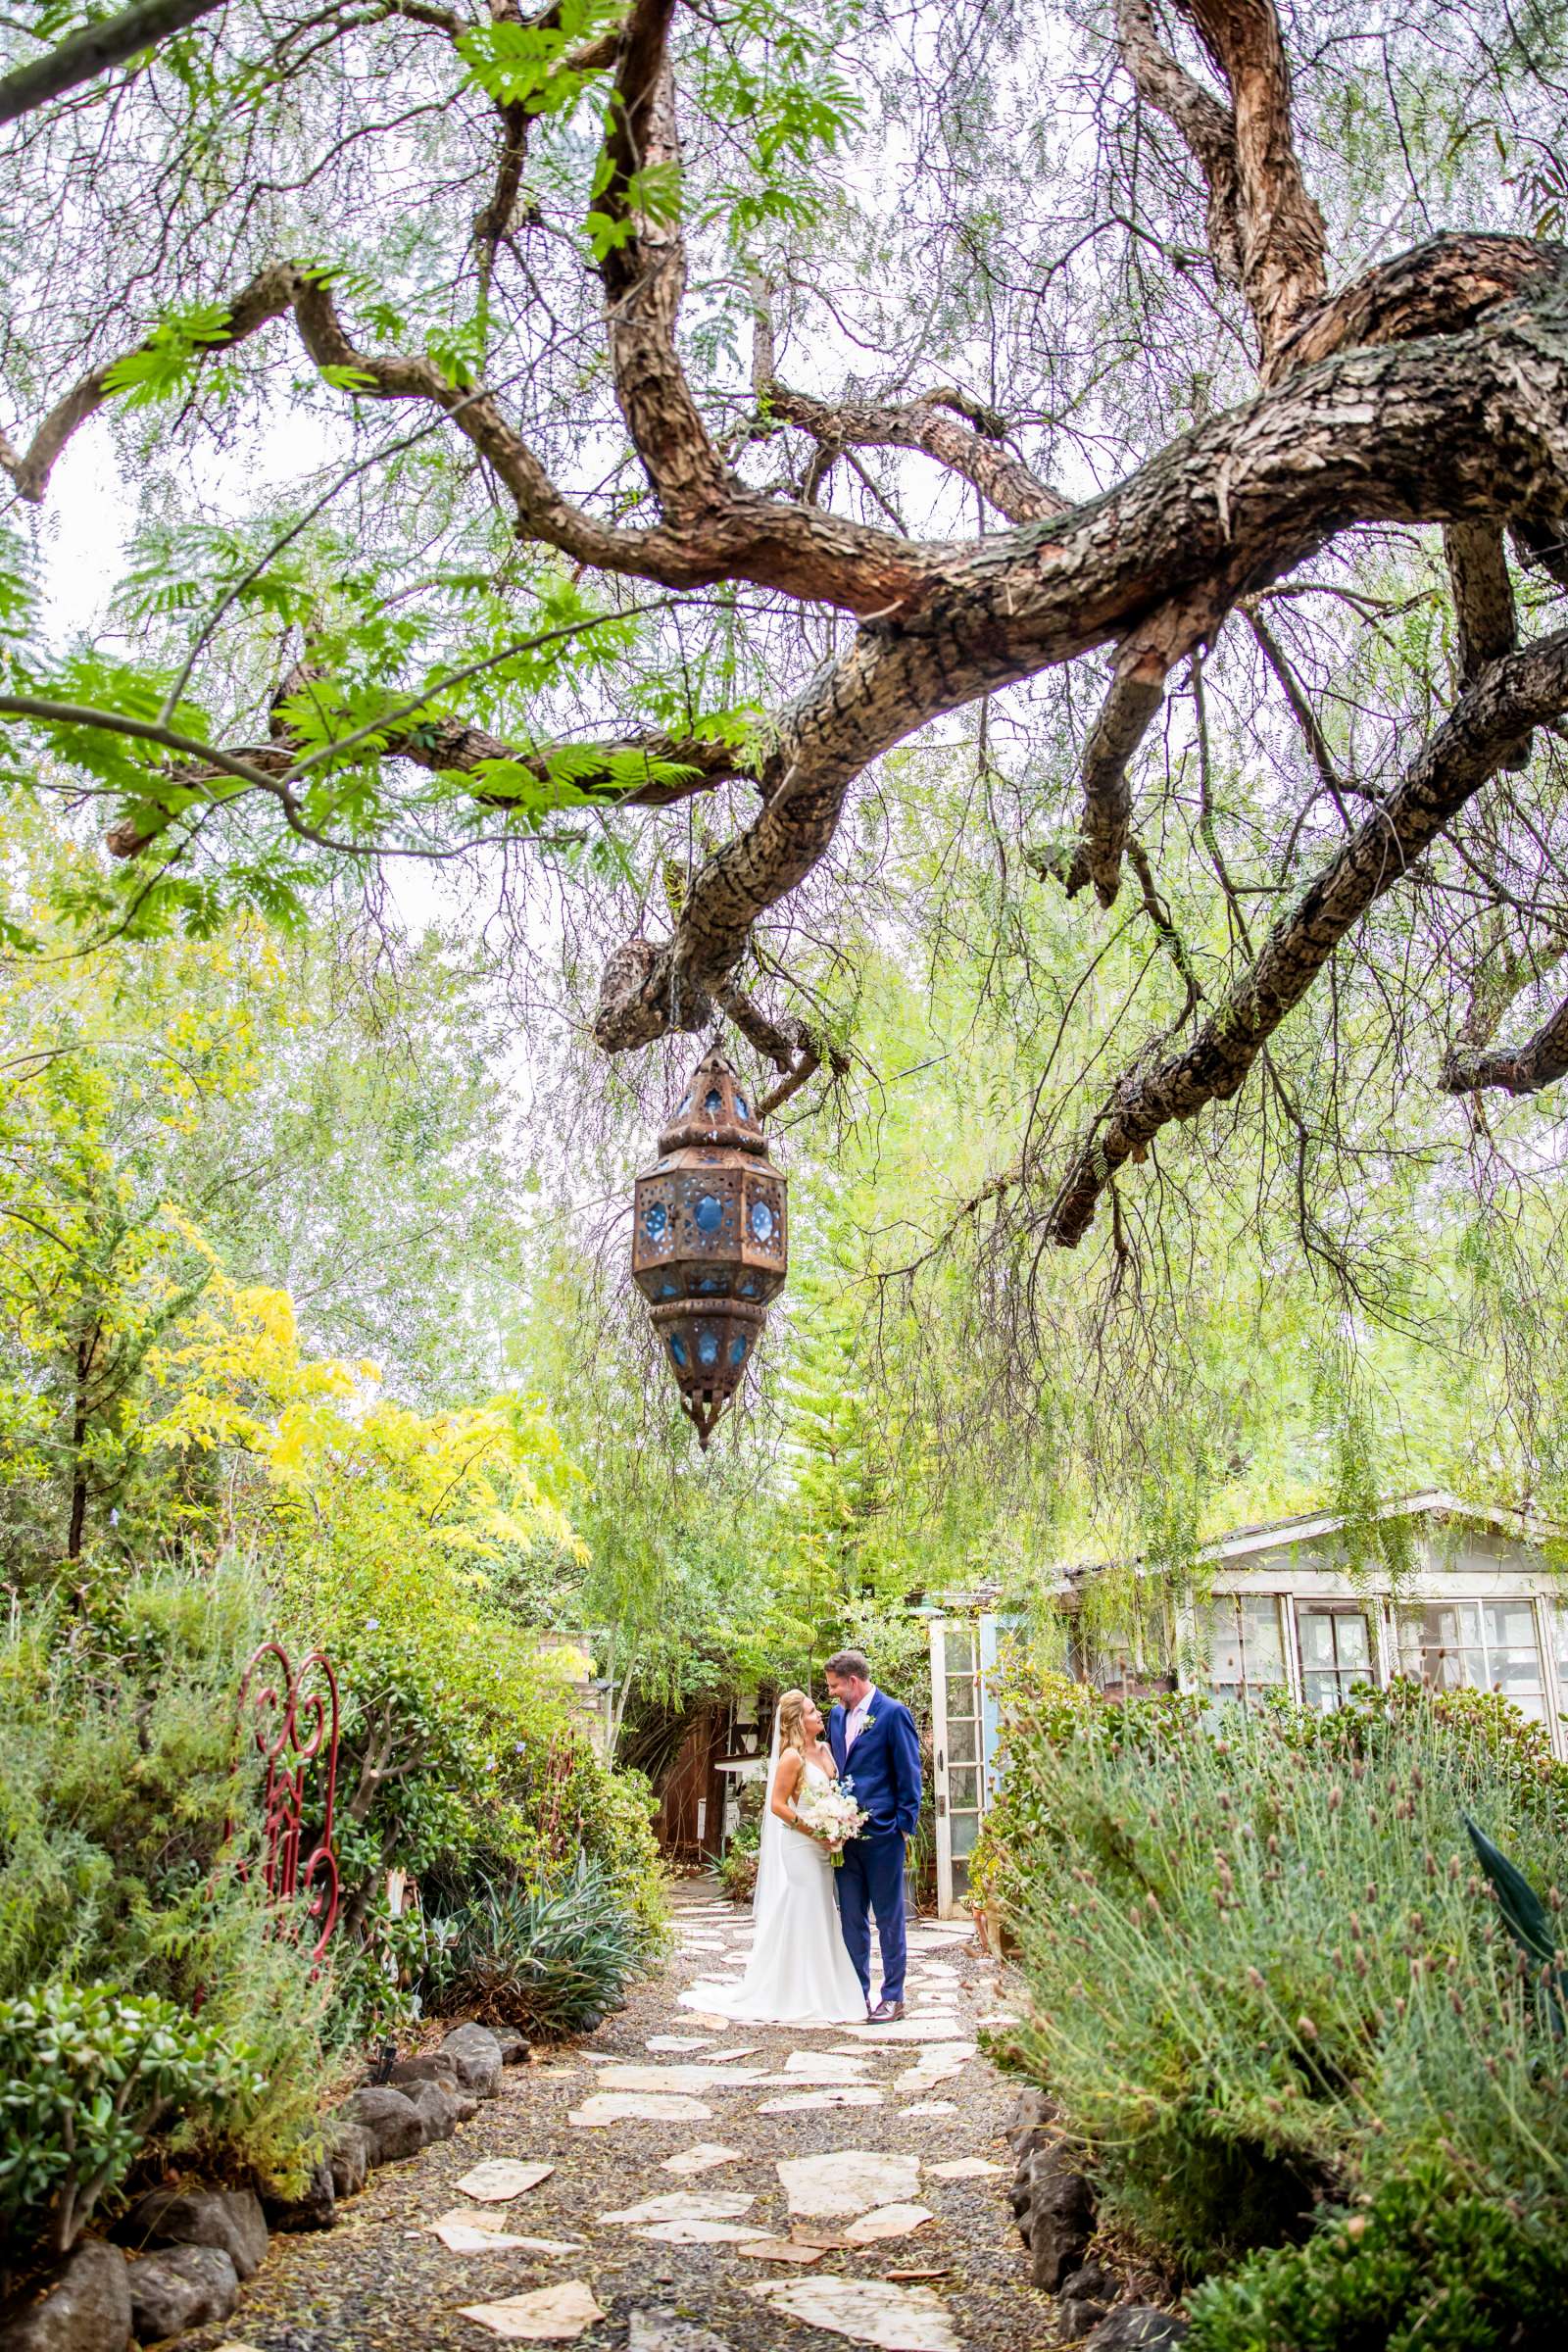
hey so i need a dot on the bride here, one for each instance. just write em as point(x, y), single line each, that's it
point(800, 1973)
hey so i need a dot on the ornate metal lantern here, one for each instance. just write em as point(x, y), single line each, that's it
point(709, 1244)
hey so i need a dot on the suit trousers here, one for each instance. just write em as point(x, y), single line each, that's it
point(871, 1879)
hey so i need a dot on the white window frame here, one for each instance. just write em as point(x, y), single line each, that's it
point(986, 1632)
point(1551, 1698)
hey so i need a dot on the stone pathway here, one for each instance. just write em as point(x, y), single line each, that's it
point(696, 2140)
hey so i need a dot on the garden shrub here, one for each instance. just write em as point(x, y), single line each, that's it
point(550, 1961)
point(120, 1772)
point(1429, 2265)
point(1264, 1969)
point(86, 2075)
point(737, 1864)
point(399, 1542)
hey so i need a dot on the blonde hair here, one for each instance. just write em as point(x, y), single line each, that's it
point(792, 1709)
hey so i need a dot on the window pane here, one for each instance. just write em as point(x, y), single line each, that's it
point(1511, 1621)
point(1262, 1639)
point(1224, 1642)
point(1447, 1638)
point(961, 1696)
point(966, 1830)
point(958, 1648)
point(1321, 1692)
point(1352, 1639)
point(963, 1790)
point(1316, 1627)
point(961, 1877)
point(963, 1743)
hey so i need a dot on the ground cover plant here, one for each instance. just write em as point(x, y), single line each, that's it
point(1272, 1993)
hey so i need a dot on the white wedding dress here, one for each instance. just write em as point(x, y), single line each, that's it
point(800, 1973)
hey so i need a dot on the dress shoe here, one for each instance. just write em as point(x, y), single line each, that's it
point(886, 2013)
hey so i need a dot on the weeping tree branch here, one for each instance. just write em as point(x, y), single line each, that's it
point(1521, 690)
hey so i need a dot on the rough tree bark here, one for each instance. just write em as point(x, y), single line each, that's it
point(1432, 389)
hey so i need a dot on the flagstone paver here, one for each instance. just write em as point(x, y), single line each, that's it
point(383, 2281)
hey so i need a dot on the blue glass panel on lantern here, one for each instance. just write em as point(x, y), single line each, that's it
point(741, 1111)
point(707, 1348)
point(656, 1221)
point(707, 1213)
point(715, 1103)
point(762, 1220)
point(748, 1289)
point(670, 1290)
point(712, 1284)
point(677, 1349)
point(737, 1348)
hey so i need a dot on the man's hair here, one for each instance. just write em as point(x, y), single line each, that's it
point(851, 1664)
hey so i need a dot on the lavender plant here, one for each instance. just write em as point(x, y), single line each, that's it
point(1265, 1971)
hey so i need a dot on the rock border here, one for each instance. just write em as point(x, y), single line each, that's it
point(1055, 2207)
point(190, 2248)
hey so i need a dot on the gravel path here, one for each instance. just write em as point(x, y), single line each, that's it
point(381, 2282)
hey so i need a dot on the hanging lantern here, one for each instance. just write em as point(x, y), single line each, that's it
point(708, 1246)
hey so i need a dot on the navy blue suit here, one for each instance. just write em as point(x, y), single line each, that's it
point(884, 1770)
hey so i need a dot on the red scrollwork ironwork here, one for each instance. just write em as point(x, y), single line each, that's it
point(293, 1727)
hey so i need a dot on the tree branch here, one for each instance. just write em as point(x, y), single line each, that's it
point(94, 50)
point(1468, 1067)
point(1484, 606)
point(644, 274)
point(1540, 1061)
point(269, 295)
point(1523, 690)
point(1281, 230)
point(959, 432)
point(1144, 661)
point(1208, 127)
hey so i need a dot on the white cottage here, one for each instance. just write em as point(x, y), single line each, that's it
point(1482, 1604)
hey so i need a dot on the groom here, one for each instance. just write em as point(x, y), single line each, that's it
point(876, 1745)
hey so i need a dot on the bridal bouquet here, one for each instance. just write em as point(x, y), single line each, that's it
point(832, 1814)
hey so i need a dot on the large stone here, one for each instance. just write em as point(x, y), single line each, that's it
point(85, 2308)
point(513, 2046)
point(314, 2209)
point(349, 2155)
point(476, 2055)
point(1028, 2125)
point(391, 2123)
point(229, 2217)
point(849, 2181)
point(1055, 2215)
point(1137, 2327)
point(1076, 2314)
point(430, 2066)
point(183, 2287)
point(436, 2107)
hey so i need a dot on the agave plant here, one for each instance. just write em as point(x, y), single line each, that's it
point(1526, 1918)
point(549, 1961)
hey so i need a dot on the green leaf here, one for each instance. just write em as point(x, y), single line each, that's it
point(1524, 1914)
point(163, 364)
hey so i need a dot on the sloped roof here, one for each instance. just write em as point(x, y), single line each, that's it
point(1307, 1526)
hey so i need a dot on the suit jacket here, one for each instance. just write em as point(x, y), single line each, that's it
point(884, 1765)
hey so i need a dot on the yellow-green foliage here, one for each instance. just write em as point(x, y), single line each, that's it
point(400, 1542)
